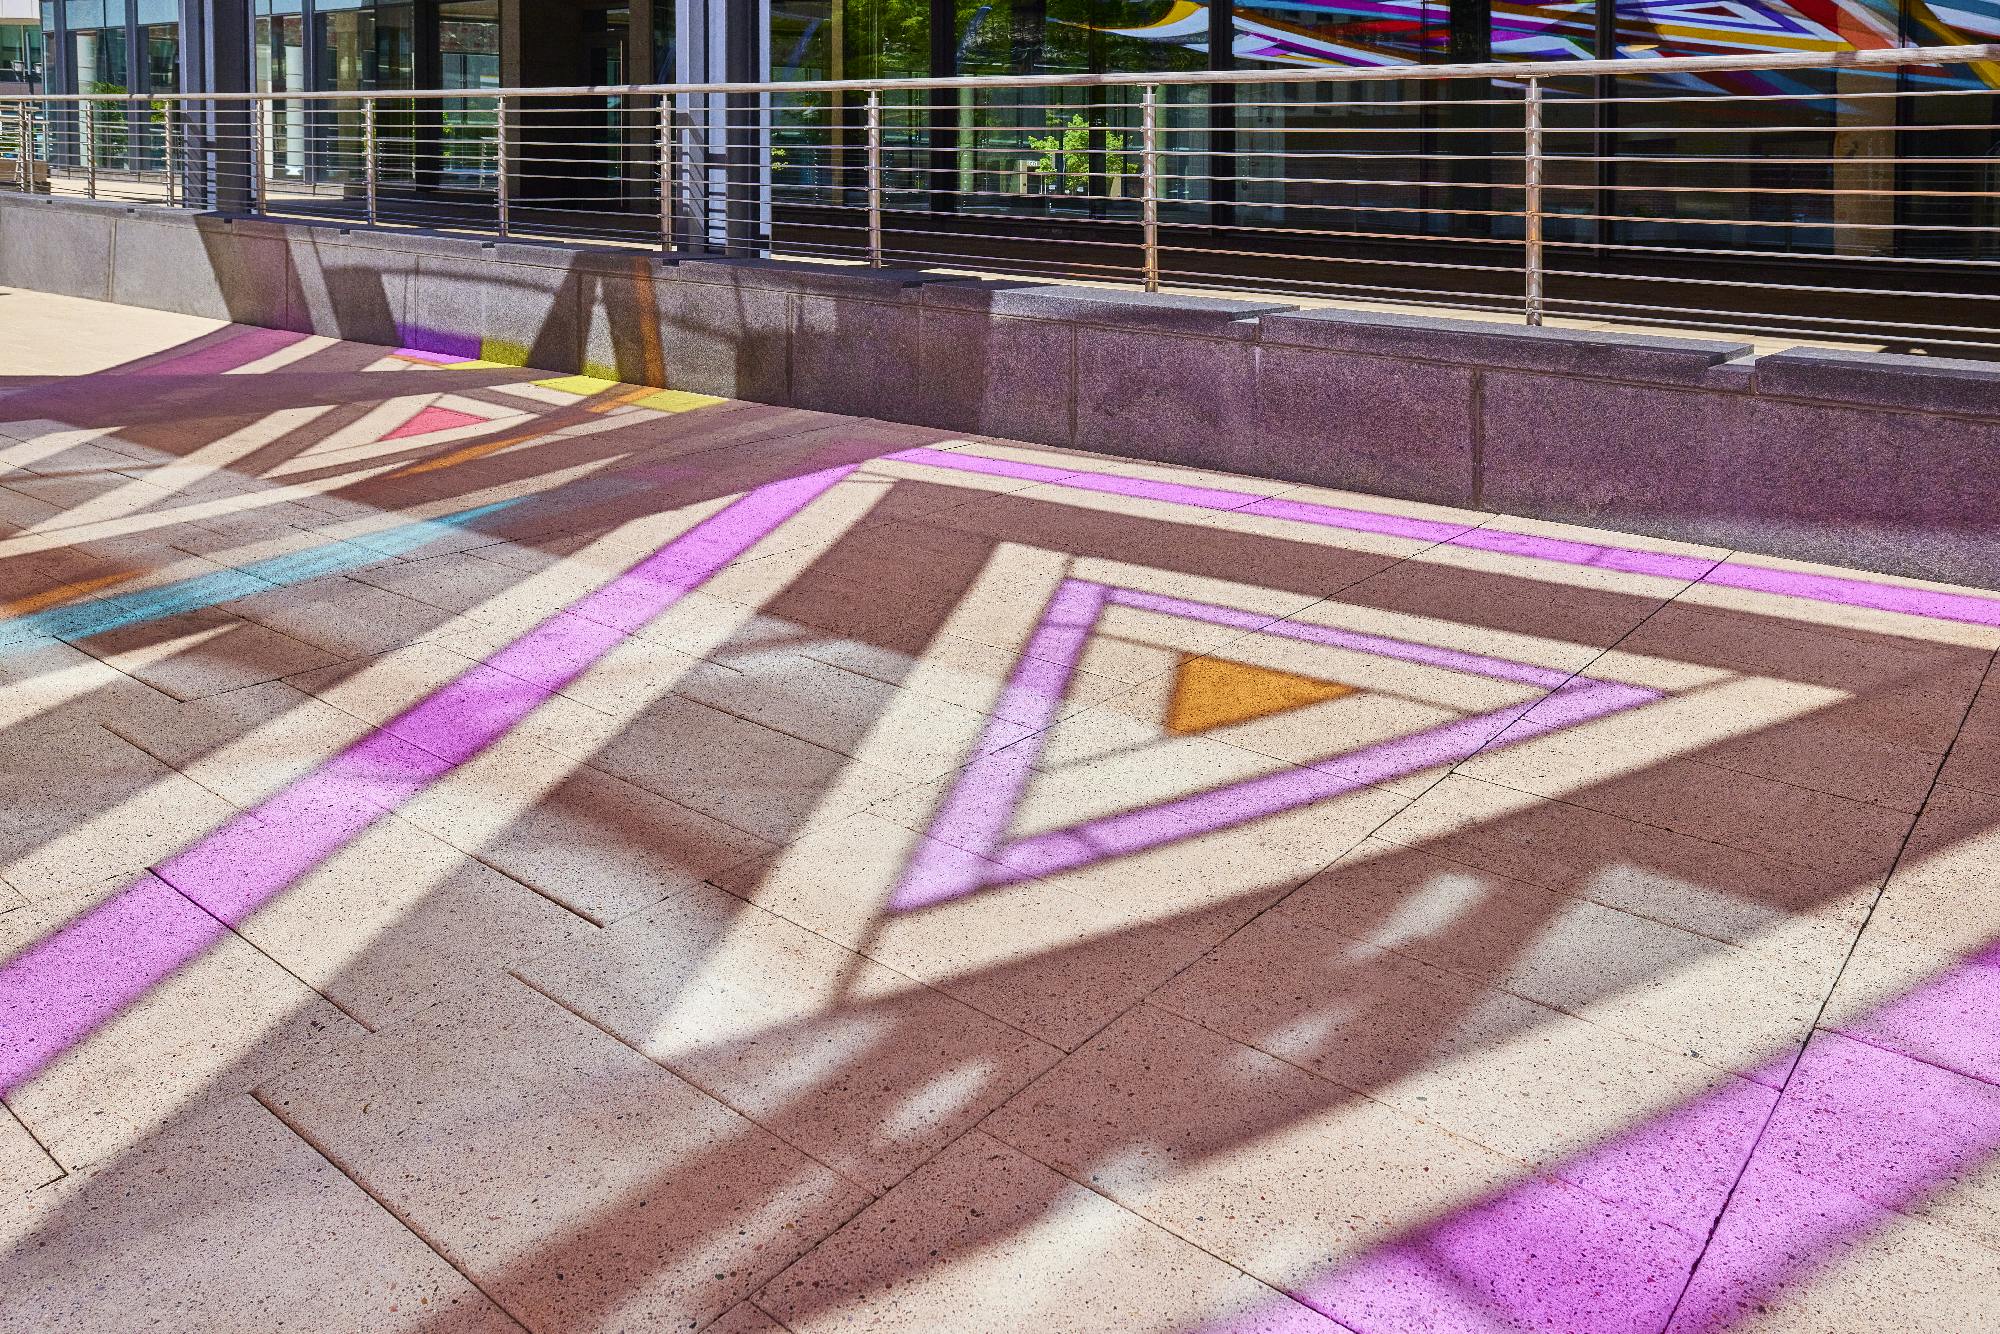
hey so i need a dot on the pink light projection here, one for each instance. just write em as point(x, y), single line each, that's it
point(73, 981)
point(1836, 589)
point(967, 849)
point(1788, 1165)
point(435, 418)
point(242, 347)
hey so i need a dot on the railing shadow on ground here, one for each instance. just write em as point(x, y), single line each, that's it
point(1407, 1011)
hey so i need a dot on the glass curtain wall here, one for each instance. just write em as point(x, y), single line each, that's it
point(99, 62)
point(379, 46)
point(1058, 152)
point(104, 46)
point(1414, 159)
point(469, 59)
point(280, 61)
point(21, 51)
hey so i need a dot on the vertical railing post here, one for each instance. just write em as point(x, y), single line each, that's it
point(24, 170)
point(500, 165)
point(167, 146)
point(667, 177)
point(259, 126)
point(1149, 181)
point(1531, 202)
point(371, 175)
point(89, 123)
point(874, 178)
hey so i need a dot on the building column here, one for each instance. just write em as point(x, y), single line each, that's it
point(1223, 168)
point(640, 62)
point(510, 43)
point(216, 58)
point(723, 205)
point(941, 116)
point(1469, 42)
point(1604, 143)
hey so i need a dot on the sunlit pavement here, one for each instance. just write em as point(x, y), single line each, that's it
point(484, 851)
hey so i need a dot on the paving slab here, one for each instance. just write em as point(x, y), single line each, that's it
point(1051, 963)
point(1004, 1217)
point(397, 916)
point(227, 1221)
point(1524, 1079)
point(204, 653)
point(651, 1204)
point(632, 861)
point(600, 847)
point(92, 1082)
point(1974, 761)
point(87, 805)
point(1681, 991)
point(846, 1060)
point(1153, 1113)
point(24, 1163)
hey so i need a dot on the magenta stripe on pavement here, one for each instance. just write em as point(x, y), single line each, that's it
point(68, 983)
point(1842, 590)
point(1935, 603)
point(63, 988)
point(1705, 1214)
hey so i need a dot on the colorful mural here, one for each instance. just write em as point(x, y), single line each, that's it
point(1400, 32)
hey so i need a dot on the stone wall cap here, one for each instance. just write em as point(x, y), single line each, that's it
point(1503, 346)
point(70, 204)
point(406, 242)
point(1882, 379)
point(1171, 312)
point(834, 279)
point(558, 255)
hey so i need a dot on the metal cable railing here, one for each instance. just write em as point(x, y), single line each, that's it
point(1859, 202)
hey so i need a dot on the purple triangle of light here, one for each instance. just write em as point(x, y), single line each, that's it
point(967, 848)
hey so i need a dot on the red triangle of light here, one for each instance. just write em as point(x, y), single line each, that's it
point(434, 418)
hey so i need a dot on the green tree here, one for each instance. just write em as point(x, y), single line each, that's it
point(1074, 145)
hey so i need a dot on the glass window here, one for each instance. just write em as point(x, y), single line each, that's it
point(468, 57)
point(395, 46)
point(20, 53)
point(281, 67)
point(163, 58)
point(606, 39)
point(664, 17)
point(98, 57)
point(346, 41)
point(469, 44)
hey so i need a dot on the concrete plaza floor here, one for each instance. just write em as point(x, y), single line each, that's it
point(486, 851)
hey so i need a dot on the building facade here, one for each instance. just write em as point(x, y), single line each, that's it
point(389, 44)
point(1065, 153)
point(20, 46)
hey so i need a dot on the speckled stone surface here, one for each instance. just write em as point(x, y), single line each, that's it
point(486, 849)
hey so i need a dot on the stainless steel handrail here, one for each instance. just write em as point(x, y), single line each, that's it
point(1754, 62)
point(887, 171)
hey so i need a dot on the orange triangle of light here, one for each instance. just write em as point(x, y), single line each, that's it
point(1212, 692)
